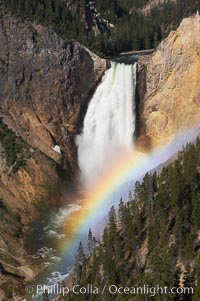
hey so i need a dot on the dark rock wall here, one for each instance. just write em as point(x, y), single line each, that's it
point(45, 82)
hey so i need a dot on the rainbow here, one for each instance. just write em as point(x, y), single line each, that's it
point(98, 199)
point(108, 190)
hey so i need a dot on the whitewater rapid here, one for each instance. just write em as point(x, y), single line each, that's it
point(109, 123)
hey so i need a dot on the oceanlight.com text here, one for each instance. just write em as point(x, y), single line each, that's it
point(112, 289)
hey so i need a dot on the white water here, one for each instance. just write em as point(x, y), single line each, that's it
point(109, 123)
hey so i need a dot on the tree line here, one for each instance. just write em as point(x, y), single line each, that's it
point(132, 29)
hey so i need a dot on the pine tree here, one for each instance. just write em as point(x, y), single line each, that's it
point(80, 263)
point(196, 211)
point(49, 12)
point(91, 241)
point(28, 8)
point(40, 12)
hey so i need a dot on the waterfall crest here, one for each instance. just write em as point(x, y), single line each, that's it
point(109, 123)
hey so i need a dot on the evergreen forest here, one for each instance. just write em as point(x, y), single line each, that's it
point(107, 27)
point(152, 239)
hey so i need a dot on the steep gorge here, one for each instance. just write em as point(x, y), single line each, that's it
point(46, 85)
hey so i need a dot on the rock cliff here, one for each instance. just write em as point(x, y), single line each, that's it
point(45, 86)
point(169, 86)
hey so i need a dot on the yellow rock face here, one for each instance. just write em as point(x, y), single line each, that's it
point(172, 100)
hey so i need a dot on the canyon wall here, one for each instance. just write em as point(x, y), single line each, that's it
point(169, 86)
point(45, 86)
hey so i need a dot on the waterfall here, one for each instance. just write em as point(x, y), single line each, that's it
point(109, 123)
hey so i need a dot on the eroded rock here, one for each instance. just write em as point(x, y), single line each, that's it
point(170, 95)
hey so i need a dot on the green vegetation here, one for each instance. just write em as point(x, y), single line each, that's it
point(162, 220)
point(132, 29)
point(16, 150)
